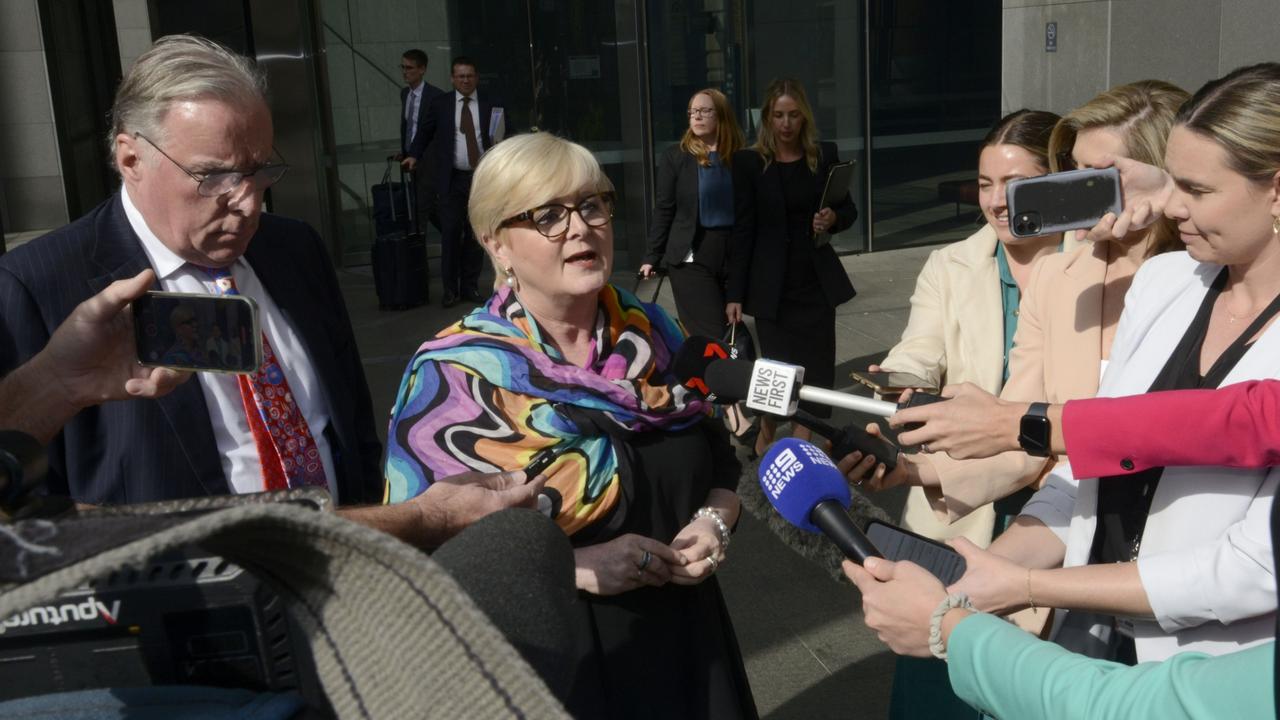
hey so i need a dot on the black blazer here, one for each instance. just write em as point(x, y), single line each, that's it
point(758, 251)
point(439, 120)
point(419, 146)
point(131, 451)
point(675, 214)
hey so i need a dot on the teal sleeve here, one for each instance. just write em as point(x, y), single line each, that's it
point(1008, 673)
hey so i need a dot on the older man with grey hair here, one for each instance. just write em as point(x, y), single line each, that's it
point(191, 139)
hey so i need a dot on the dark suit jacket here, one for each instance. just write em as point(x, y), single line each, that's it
point(758, 252)
point(132, 451)
point(675, 213)
point(439, 121)
point(419, 146)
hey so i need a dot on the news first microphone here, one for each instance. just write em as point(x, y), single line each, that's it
point(776, 388)
point(807, 490)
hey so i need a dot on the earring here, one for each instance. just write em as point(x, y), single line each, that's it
point(511, 278)
point(1275, 225)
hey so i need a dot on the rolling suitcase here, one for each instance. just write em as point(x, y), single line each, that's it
point(399, 253)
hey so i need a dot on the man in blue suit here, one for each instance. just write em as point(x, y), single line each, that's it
point(192, 142)
point(414, 99)
point(465, 123)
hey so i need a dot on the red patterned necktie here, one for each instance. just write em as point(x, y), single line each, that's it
point(286, 450)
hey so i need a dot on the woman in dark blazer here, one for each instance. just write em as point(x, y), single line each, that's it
point(694, 213)
point(777, 274)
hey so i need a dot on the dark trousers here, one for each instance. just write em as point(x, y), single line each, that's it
point(698, 286)
point(425, 206)
point(460, 255)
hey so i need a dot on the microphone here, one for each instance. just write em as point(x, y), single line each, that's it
point(691, 361)
point(777, 388)
point(849, 438)
point(807, 490)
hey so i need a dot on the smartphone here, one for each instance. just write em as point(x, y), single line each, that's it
point(202, 333)
point(897, 544)
point(892, 383)
point(541, 462)
point(1056, 202)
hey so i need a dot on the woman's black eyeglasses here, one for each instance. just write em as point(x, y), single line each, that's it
point(552, 219)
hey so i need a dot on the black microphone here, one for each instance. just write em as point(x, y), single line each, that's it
point(689, 366)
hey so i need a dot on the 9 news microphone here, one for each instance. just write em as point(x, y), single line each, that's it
point(807, 490)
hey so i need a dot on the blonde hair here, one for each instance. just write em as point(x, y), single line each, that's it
point(728, 137)
point(1143, 114)
point(525, 171)
point(766, 143)
point(177, 68)
point(1241, 112)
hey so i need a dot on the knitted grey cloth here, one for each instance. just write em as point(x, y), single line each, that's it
point(392, 635)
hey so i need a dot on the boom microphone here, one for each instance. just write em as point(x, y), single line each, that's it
point(807, 490)
point(777, 388)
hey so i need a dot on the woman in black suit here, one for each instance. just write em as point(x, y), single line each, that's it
point(776, 273)
point(694, 213)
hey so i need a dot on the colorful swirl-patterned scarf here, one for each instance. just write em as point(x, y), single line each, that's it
point(487, 395)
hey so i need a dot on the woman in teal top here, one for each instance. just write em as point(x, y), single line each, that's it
point(1008, 673)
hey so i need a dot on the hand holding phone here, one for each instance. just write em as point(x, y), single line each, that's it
point(1057, 202)
point(197, 332)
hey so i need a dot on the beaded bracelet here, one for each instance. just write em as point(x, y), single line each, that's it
point(951, 602)
point(721, 527)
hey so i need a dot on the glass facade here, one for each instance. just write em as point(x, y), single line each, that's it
point(904, 87)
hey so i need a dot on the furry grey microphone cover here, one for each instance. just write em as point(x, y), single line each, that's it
point(814, 546)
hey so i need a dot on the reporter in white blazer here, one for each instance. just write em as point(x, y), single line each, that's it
point(1203, 573)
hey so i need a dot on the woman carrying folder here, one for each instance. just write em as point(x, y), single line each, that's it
point(777, 272)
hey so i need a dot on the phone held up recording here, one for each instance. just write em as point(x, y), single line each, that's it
point(201, 333)
point(1072, 200)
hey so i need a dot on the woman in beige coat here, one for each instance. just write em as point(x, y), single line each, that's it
point(1067, 318)
point(957, 330)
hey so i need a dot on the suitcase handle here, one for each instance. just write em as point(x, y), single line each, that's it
point(406, 181)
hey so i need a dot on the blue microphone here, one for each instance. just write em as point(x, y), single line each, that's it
point(808, 491)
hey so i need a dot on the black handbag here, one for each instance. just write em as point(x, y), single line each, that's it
point(739, 341)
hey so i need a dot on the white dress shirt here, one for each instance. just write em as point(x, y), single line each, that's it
point(239, 453)
point(460, 159)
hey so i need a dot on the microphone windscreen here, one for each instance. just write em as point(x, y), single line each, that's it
point(796, 476)
point(729, 380)
point(689, 366)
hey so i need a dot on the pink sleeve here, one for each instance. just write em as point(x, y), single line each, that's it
point(1236, 426)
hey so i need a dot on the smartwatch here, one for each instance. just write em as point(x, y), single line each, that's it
point(1033, 431)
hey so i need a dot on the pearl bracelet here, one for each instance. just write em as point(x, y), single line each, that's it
point(951, 602)
point(721, 527)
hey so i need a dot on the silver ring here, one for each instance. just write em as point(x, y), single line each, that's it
point(715, 564)
point(924, 448)
point(645, 560)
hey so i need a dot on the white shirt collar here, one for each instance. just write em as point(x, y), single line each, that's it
point(163, 260)
point(475, 95)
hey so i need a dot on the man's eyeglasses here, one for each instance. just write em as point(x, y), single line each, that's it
point(702, 112)
point(408, 67)
point(221, 183)
point(552, 219)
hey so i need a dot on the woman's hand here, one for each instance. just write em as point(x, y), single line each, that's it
point(733, 313)
point(973, 423)
point(823, 220)
point(624, 563)
point(1146, 190)
point(646, 270)
point(995, 584)
point(898, 600)
point(867, 473)
point(699, 544)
